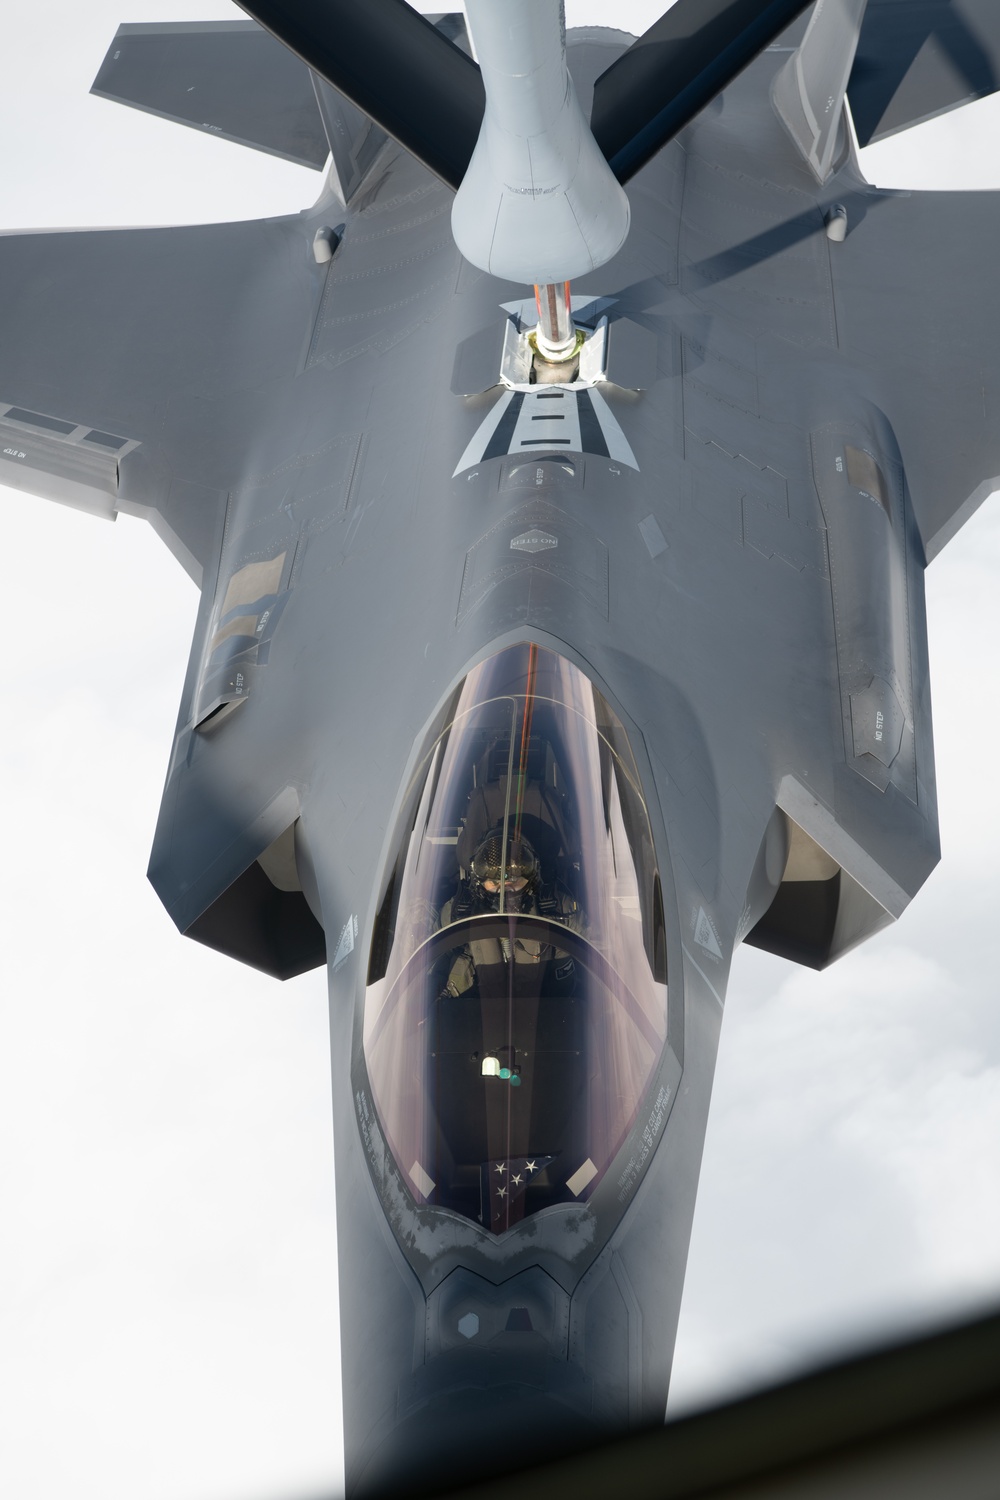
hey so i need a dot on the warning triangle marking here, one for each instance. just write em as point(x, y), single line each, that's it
point(705, 935)
point(345, 947)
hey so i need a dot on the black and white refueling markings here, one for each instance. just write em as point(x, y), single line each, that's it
point(547, 419)
point(577, 421)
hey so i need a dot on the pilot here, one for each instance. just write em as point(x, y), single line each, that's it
point(504, 884)
point(510, 882)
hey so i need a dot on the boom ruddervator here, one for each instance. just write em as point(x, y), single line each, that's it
point(516, 1008)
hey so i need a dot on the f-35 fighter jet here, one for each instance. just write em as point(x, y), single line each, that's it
point(559, 488)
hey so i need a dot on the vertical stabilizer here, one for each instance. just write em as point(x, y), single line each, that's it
point(809, 91)
point(353, 138)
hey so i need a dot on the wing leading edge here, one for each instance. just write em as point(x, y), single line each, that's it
point(908, 284)
point(123, 352)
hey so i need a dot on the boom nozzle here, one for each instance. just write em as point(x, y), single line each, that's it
point(555, 337)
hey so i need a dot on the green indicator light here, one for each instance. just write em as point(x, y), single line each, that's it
point(515, 1081)
point(504, 1072)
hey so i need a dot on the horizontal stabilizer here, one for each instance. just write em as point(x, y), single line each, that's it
point(227, 78)
point(920, 58)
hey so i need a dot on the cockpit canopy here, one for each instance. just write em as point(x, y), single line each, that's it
point(516, 1003)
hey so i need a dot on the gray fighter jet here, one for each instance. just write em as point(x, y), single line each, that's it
point(551, 644)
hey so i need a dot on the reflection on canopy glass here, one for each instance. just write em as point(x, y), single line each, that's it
point(516, 1002)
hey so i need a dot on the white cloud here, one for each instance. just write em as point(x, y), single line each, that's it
point(849, 1187)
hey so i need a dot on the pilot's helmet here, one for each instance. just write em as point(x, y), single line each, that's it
point(517, 876)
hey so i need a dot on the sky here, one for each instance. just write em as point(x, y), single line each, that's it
point(168, 1289)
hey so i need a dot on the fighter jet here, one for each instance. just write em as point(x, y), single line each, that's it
point(552, 642)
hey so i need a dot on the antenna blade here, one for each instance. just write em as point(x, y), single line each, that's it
point(677, 67)
point(394, 65)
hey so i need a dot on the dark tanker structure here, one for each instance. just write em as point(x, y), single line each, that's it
point(552, 642)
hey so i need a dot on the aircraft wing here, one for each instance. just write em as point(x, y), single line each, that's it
point(916, 311)
point(122, 348)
